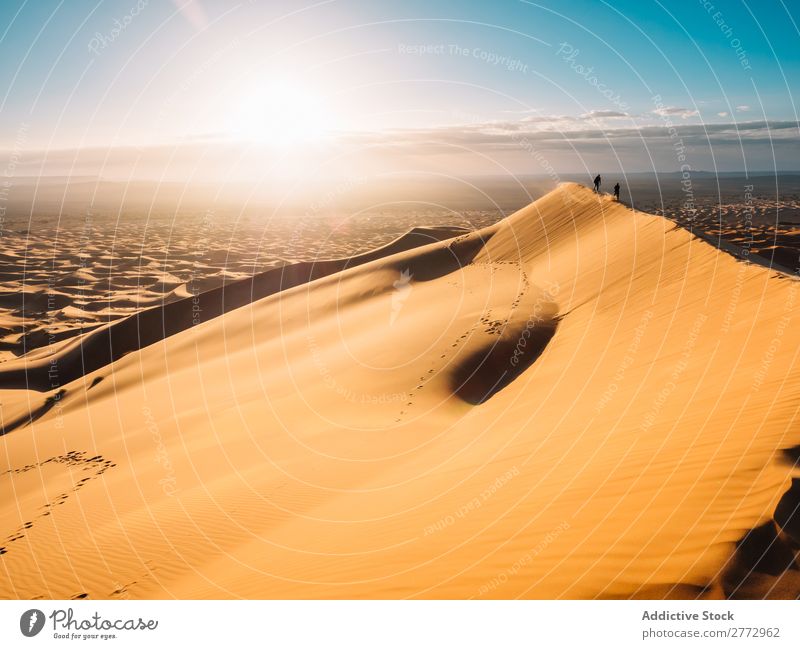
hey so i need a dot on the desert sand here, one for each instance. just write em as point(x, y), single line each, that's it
point(579, 401)
point(66, 275)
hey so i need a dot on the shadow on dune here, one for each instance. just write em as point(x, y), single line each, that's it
point(787, 513)
point(766, 557)
point(486, 371)
point(33, 415)
point(792, 454)
point(763, 566)
point(443, 260)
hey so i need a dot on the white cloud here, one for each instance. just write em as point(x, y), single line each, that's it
point(546, 119)
point(493, 139)
point(723, 114)
point(744, 108)
point(675, 111)
point(601, 114)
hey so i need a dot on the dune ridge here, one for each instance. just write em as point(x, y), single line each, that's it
point(579, 401)
point(103, 344)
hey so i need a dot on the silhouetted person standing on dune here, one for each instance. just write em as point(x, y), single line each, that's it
point(597, 184)
point(616, 191)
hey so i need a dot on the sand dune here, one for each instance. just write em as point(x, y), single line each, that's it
point(86, 352)
point(579, 401)
point(73, 274)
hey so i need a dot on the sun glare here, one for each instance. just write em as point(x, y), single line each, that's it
point(279, 115)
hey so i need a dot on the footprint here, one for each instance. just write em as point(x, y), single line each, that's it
point(72, 458)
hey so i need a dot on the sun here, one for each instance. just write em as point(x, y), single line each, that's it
point(279, 115)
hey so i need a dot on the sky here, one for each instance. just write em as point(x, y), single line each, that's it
point(341, 88)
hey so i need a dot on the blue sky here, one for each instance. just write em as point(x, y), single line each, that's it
point(450, 82)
